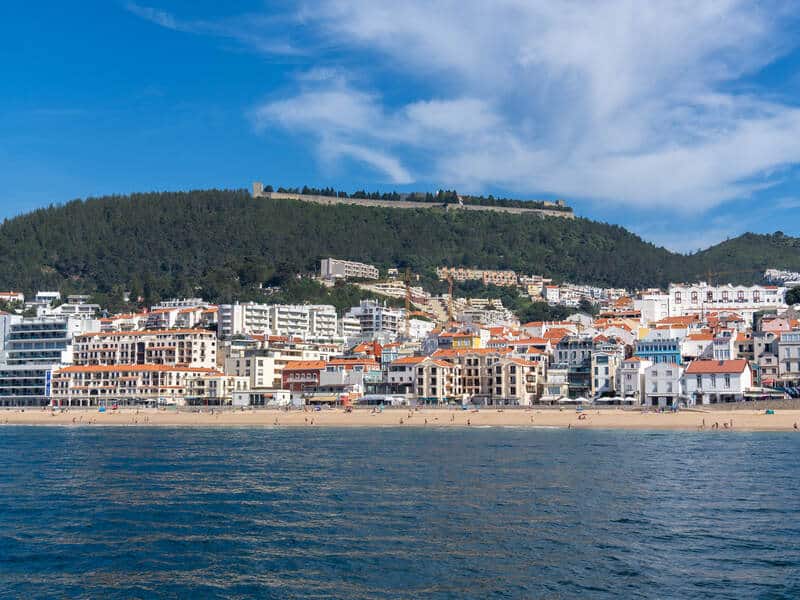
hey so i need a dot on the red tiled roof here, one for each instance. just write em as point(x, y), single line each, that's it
point(716, 366)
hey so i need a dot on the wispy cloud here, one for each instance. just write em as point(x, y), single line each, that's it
point(250, 30)
point(626, 104)
point(617, 101)
point(159, 17)
point(787, 202)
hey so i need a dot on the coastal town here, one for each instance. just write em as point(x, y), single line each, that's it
point(693, 344)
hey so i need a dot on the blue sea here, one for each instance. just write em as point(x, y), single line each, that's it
point(397, 513)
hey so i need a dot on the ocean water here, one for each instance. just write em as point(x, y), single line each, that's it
point(397, 513)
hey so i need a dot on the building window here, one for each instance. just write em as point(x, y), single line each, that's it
point(694, 297)
point(727, 381)
point(699, 381)
point(677, 297)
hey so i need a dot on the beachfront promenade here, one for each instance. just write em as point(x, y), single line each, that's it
point(568, 418)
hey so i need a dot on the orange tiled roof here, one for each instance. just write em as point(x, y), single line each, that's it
point(304, 365)
point(141, 332)
point(716, 366)
point(134, 368)
point(409, 360)
point(466, 351)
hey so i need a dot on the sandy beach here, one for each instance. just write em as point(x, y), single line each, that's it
point(737, 420)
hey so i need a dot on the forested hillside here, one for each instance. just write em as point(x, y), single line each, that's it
point(222, 244)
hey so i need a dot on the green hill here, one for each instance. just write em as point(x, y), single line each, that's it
point(222, 244)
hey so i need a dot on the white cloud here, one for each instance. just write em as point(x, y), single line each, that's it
point(619, 101)
point(252, 31)
point(626, 103)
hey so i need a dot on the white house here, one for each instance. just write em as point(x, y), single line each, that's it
point(630, 381)
point(663, 385)
point(713, 381)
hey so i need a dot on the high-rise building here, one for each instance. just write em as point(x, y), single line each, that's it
point(35, 347)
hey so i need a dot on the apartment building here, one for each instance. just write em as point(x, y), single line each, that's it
point(487, 276)
point(349, 328)
point(377, 320)
point(765, 355)
point(302, 320)
point(264, 366)
point(515, 382)
point(789, 358)
point(215, 389)
point(437, 382)
point(176, 347)
point(242, 319)
point(334, 268)
point(700, 298)
point(556, 385)
point(124, 322)
point(604, 371)
point(93, 385)
point(401, 374)
point(34, 348)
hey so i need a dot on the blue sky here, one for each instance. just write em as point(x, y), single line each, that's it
point(679, 120)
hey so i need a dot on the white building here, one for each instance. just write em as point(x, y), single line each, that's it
point(653, 307)
point(663, 385)
point(605, 367)
point(713, 381)
point(333, 268)
point(322, 321)
point(91, 385)
point(294, 320)
point(176, 347)
point(34, 348)
point(700, 298)
point(419, 329)
point(349, 328)
point(12, 297)
point(377, 320)
point(631, 380)
point(242, 319)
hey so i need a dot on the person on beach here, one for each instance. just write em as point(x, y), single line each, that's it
point(468, 423)
point(795, 426)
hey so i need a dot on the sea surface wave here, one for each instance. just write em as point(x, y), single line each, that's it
point(397, 513)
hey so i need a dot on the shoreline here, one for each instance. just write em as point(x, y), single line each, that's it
point(610, 419)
